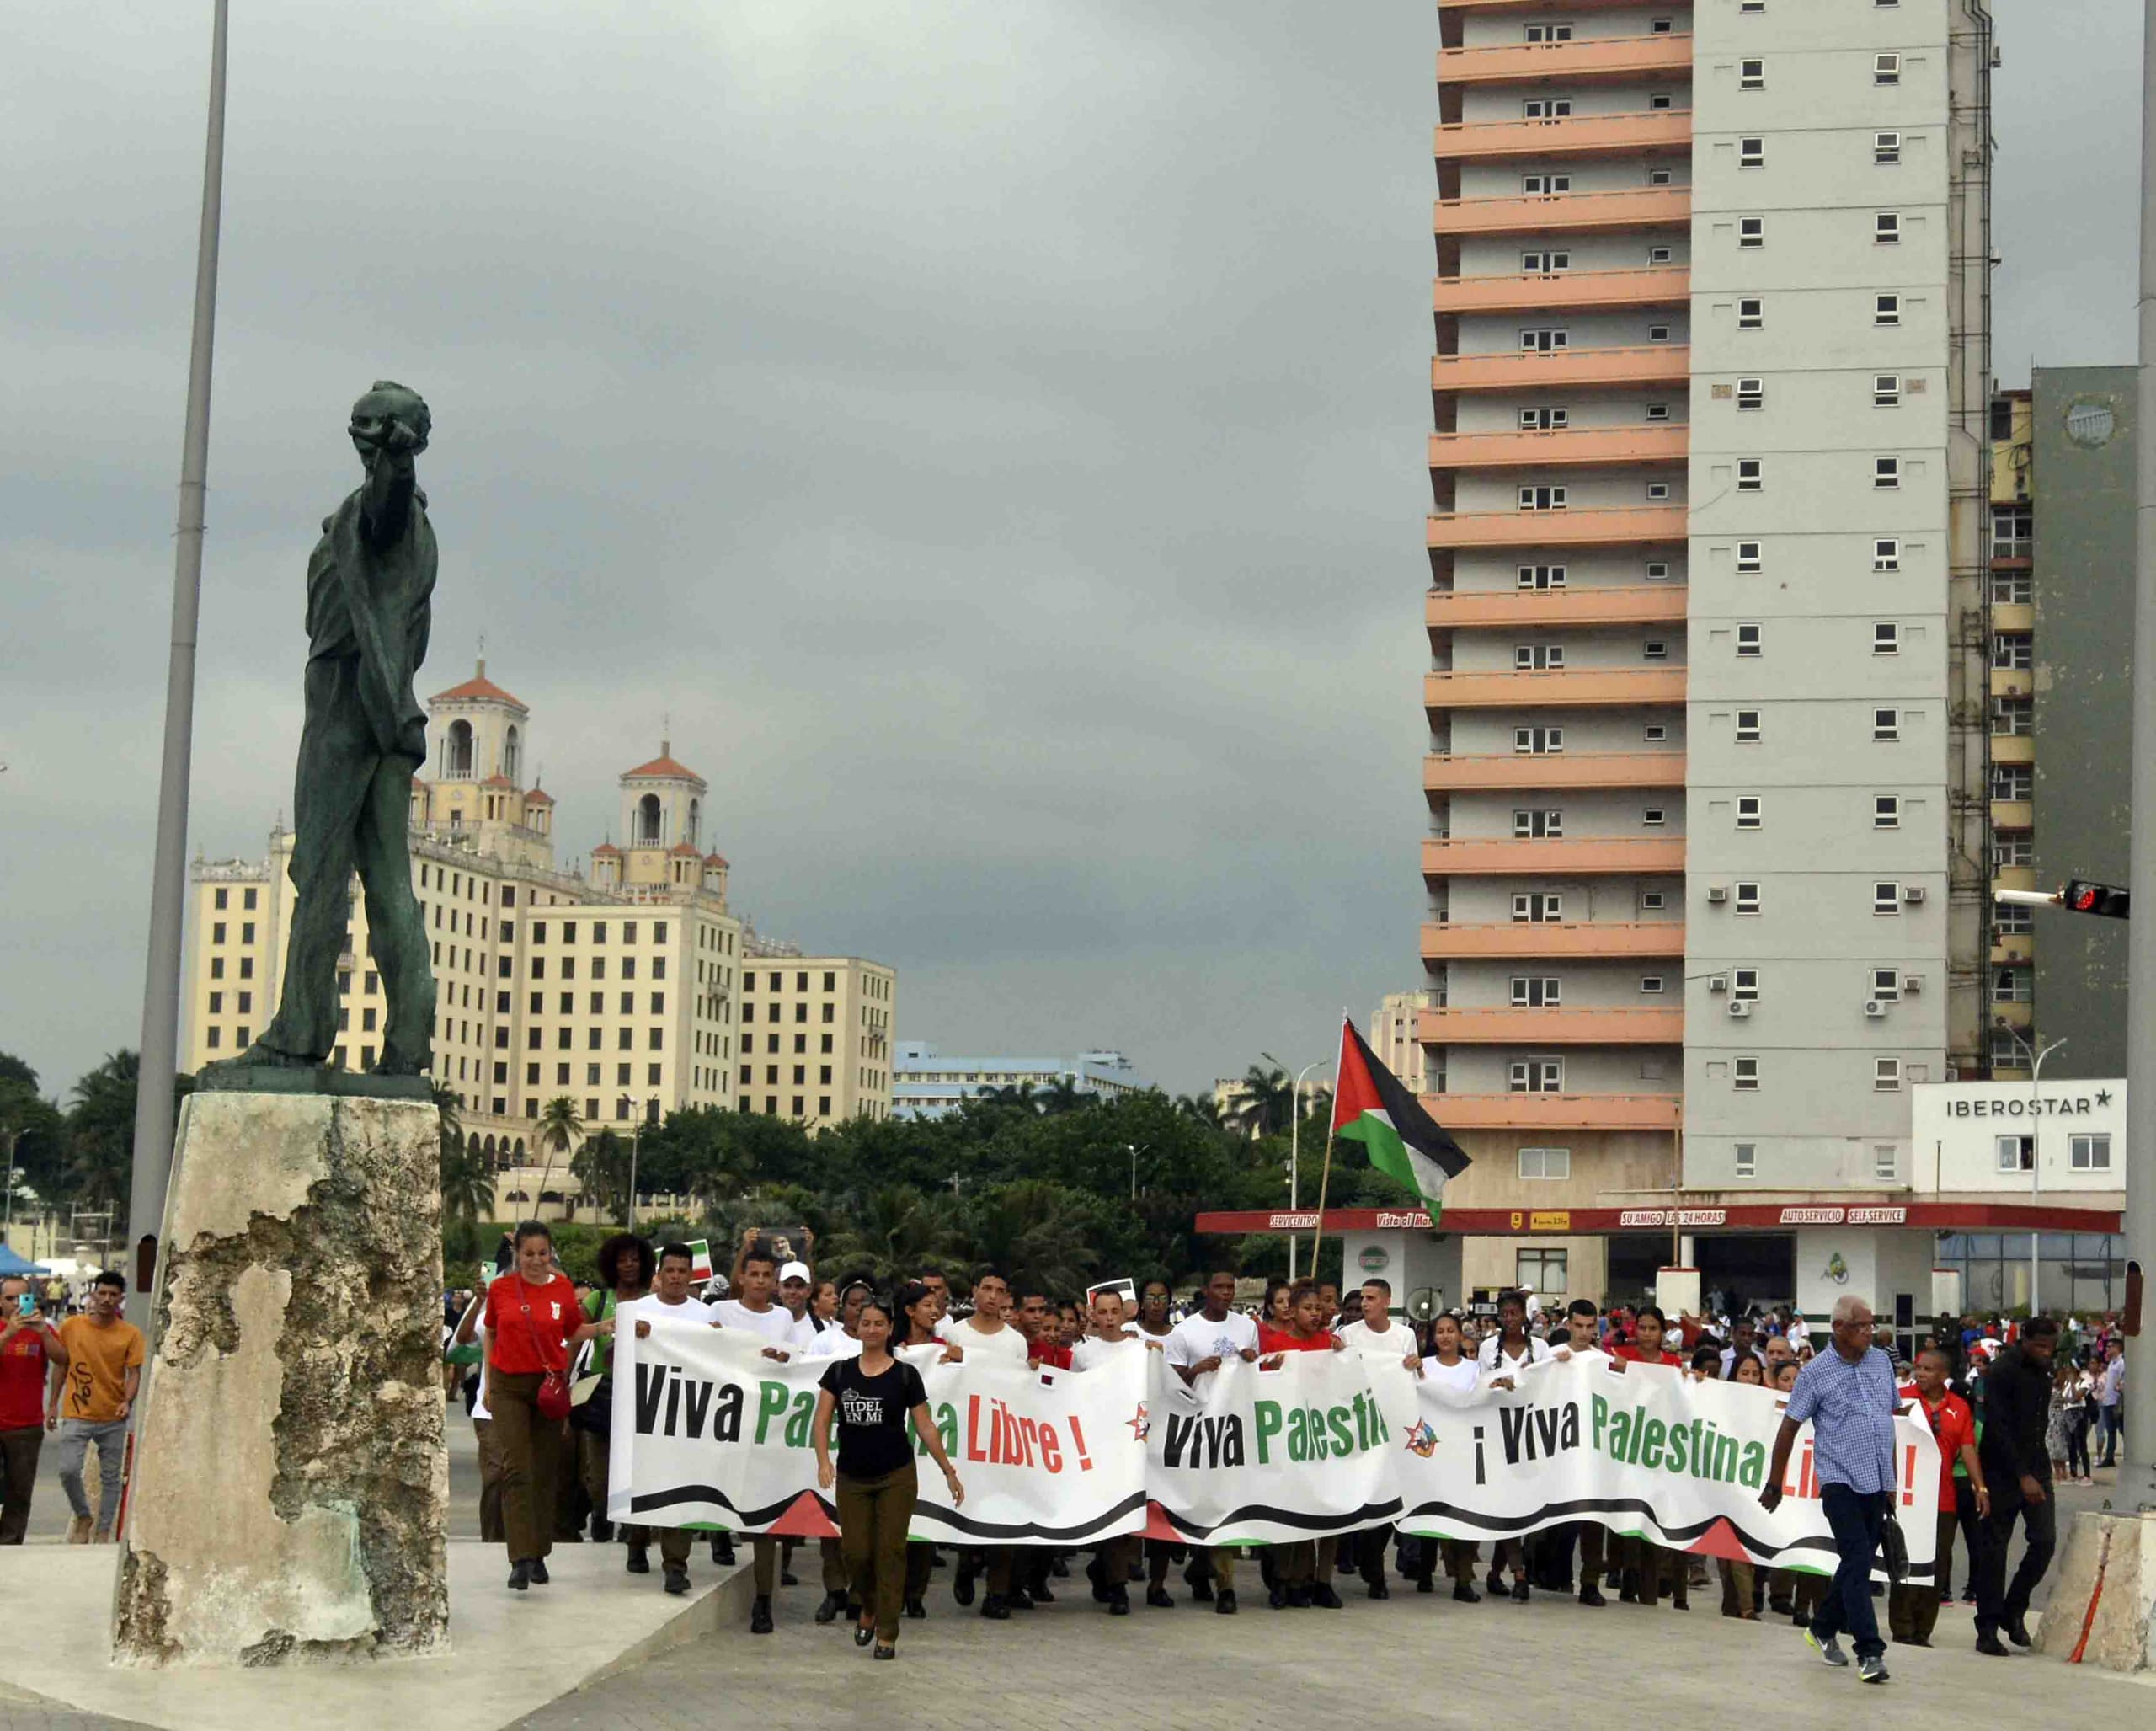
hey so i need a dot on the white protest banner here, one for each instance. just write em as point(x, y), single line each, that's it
point(1253, 1456)
point(1647, 1450)
point(709, 1431)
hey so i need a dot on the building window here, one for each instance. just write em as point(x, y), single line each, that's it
point(1885, 637)
point(1751, 233)
point(1885, 1166)
point(2012, 532)
point(1536, 992)
point(1887, 229)
point(1886, 811)
point(1751, 394)
point(1750, 563)
point(2012, 781)
point(1886, 985)
point(1748, 811)
point(1748, 640)
point(1659, 255)
point(2090, 1153)
point(1885, 1076)
point(1657, 570)
point(1650, 984)
point(1654, 650)
point(1751, 313)
point(1543, 1271)
point(2012, 649)
point(1885, 473)
point(1537, 658)
point(1537, 1075)
point(1886, 309)
point(1654, 733)
point(1744, 986)
point(1751, 75)
point(1541, 576)
point(1744, 1075)
point(1748, 727)
point(1545, 1163)
point(1657, 334)
point(1546, 108)
point(1652, 901)
point(1748, 1160)
point(1886, 898)
point(1886, 68)
point(1886, 555)
point(2013, 717)
point(1885, 390)
point(1751, 474)
point(1658, 411)
point(1657, 489)
point(1544, 185)
point(2016, 1153)
point(1885, 725)
point(1747, 898)
point(1548, 33)
point(1751, 152)
point(1886, 148)
point(1658, 177)
point(2013, 985)
point(1653, 817)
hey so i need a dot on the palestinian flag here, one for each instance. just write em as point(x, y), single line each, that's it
point(1403, 1141)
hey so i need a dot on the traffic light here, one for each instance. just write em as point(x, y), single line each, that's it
point(2082, 897)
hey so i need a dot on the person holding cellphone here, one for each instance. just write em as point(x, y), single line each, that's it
point(31, 1356)
point(872, 1395)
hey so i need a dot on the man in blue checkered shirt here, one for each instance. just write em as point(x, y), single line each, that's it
point(1849, 1395)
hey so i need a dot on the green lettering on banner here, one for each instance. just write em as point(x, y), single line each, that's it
point(1268, 1427)
point(1299, 1435)
point(796, 1426)
point(1343, 1438)
point(771, 1398)
point(1651, 1446)
point(1680, 1439)
point(1601, 1418)
point(1753, 1473)
point(1620, 1436)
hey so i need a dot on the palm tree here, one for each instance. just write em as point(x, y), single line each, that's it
point(467, 1187)
point(1062, 1095)
point(449, 1108)
point(601, 1169)
point(1032, 1233)
point(1202, 1107)
point(1266, 1104)
point(1020, 1094)
point(893, 1237)
point(559, 1127)
point(101, 1131)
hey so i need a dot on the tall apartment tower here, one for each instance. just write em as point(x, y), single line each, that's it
point(1707, 865)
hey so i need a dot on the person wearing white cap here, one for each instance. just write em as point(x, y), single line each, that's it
point(794, 1286)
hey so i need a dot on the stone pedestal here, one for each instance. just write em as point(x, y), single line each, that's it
point(291, 1486)
point(2104, 1592)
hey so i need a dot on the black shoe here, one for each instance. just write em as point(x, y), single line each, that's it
point(937, 1559)
point(1159, 1599)
point(1018, 1599)
point(722, 1549)
point(1323, 1596)
point(574, 1536)
point(1519, 1591)
point(961, 1584)
point(1119, 1603)
point(915, 1611)
point(519, 1576)
point(760, 1616)
point(1781, 1607)
point(863, 1636)
point(1298, 1598)
point(1223, 1602)
point(994, 1609)
point(639, 1561)
point(1986, 1641)
point(602, 1530)
point(677, 1579)
point(884, 1650)
point(1038, 1594)
point(1495, 1586)
point(1589, 1595)
point(2017, 1631)
point(539, 1576)
point(1380, 1590)
point(1093, 1574)
point(1060, 1568)
point(1465, 1592)
point(1277, 1596)
point(828, 1610)
point(1426, 1584)
point(788, 1580)
point(1198, 1578)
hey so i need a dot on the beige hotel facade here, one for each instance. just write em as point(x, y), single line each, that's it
point(622, 987)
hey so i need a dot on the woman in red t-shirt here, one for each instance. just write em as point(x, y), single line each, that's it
point(532, 1319)
point(1649, 1567)
point(1305, 1574)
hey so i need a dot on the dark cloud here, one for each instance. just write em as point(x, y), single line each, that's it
point(992, 431)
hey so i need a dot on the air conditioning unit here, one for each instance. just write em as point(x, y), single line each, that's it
point(1874, 1008)
point(1741, 1007)
point(1914, 895)
point(1718, 982)
point(1717, 892)
point(1913, 983)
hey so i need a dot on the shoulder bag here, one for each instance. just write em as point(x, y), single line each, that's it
point(553, 1397)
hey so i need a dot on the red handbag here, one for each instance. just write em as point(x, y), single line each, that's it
point(553, 1397)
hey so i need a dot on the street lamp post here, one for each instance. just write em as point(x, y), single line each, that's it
point(14, 1142)
point(2035, 1147)
point(636, 1138)
point(1295, 1149)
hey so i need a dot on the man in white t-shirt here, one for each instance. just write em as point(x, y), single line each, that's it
point(986, 1336)
point(669, 1304)
point(758, 1312)
point(1374, 1334)
point(1109, 1342)
point(1199, 1346)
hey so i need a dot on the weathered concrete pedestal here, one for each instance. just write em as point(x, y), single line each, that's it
point(291, 1487)
point(2118, 1552)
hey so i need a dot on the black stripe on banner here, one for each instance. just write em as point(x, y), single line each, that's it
point(652, 1501)
point(1006, 1532)
point(1317, 1525)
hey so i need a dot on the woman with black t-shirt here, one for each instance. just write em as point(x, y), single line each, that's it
point(872, 1396)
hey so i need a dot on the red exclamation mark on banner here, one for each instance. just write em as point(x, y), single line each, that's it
point(1909, 1478)
point(1078, 1440)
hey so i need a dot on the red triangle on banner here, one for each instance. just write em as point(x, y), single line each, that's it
point(1720, 1541)
point(805, 1519)
point(1156, 1527)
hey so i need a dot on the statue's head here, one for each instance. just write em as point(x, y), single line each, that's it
point(390, 414)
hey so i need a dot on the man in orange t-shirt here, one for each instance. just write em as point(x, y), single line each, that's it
point(105, 1371)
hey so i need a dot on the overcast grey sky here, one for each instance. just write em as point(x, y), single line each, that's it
point(992, 429)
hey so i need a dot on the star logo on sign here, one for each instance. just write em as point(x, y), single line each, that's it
point(2103, 1097)
point(1141, 1426)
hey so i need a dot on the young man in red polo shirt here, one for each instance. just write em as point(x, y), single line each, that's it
point(29, 1351)
point(1649, 1566)
point(1305, 1575)
point(1913, 1609)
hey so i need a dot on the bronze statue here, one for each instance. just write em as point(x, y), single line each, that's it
point(368, 589)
